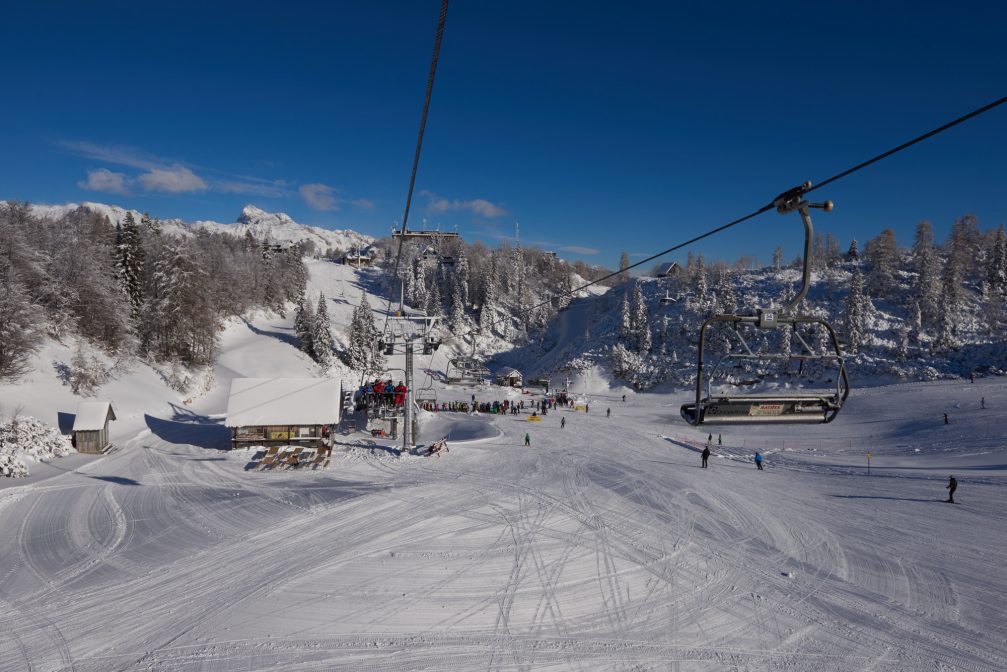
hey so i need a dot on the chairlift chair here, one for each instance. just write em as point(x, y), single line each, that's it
point(667, 299)
point(810, 407)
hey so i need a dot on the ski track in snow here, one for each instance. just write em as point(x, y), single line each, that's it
point(603, 546)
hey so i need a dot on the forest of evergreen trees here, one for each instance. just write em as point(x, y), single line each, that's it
point(127, 288)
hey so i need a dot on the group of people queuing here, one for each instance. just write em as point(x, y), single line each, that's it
point(381, 393)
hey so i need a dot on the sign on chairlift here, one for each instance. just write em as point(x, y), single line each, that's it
point(766, 409)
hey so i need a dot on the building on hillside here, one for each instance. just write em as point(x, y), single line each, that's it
point(508, 377)
point(359, 257)
point(283, 411)
point(668, 269)
point(90, 426)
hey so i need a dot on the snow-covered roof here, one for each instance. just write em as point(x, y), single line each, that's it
point(666, 268)
point(507, 372)
point(283, 401)
point(91, 416)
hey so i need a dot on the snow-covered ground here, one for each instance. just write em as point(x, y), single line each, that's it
point(602, 546)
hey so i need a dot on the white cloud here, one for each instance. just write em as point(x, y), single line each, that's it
point(174, 176)
point(577, 249)
point(319, 196)
point(479, 206)
point(102, 179)
point(176, 179)
point(119, 155)
point(326, 198)
point(251, 185)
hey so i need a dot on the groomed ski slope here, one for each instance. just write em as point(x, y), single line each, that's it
point(602, 546)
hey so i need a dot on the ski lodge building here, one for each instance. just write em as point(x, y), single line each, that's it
point(283, 411)
point(90, 426)
point(508, 377)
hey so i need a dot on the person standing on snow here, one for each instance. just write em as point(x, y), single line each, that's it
point(758, 460)
point(608, 413)
point(982, 402)
point(624, 398)
point(706, 456)
point(562, 423)
point(720, 439)
point(527, 439)
point(945, 418)
point(952, 486)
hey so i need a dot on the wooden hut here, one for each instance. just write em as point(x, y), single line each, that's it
point(90, 426)
point(283, 411)
point(668, 269)
point(508, 377)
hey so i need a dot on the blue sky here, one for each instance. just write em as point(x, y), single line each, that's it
point(599, 127)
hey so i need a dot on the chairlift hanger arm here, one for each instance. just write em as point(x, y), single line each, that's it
point(785, 203)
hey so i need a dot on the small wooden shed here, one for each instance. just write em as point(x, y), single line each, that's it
point(509, 377)
point(90, 426)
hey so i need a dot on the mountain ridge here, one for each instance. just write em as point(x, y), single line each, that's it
point(278, 227)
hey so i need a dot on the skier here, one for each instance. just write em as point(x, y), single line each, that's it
point(709, 439)
point(624, 398)
point(562, 423)
point(982, 402)
point(952, 486)
point(758, 460)
point(587, 409)
point(720, 439)
point(608, 413)
point(706, 456)
point(527, 439)
point(945, 418)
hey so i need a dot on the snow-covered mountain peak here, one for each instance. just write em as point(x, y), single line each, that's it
point(253, 216)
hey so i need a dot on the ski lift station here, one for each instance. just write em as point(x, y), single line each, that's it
point(359, 258)
point(90, 426)
point(508, 377)
point(282, 411)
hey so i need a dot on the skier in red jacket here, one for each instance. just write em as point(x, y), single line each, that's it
point(400, 394)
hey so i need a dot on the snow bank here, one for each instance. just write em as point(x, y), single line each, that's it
point(26, 439)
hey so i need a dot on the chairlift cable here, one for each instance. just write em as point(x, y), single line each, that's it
point(419, 147)
point(860, 166)
point(416, 158)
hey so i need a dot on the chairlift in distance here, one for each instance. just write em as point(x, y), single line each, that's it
point(667, 299)
point(798, 408)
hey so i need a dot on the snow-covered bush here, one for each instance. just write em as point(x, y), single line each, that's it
point(26, 439)
point(12, 467)
point(87, 372)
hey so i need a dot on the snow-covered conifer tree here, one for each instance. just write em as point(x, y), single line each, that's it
point(951, 303)
point(304, 326)
point(926, 263)
point(856, 312)
point(640, 321)
point(321, 336)
point(853, 254)
point(700, 286)
point(456, 318)
point(433, 305)
point(626, 321)
point(727, 300)
point(129, 264)
point(882, 255)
